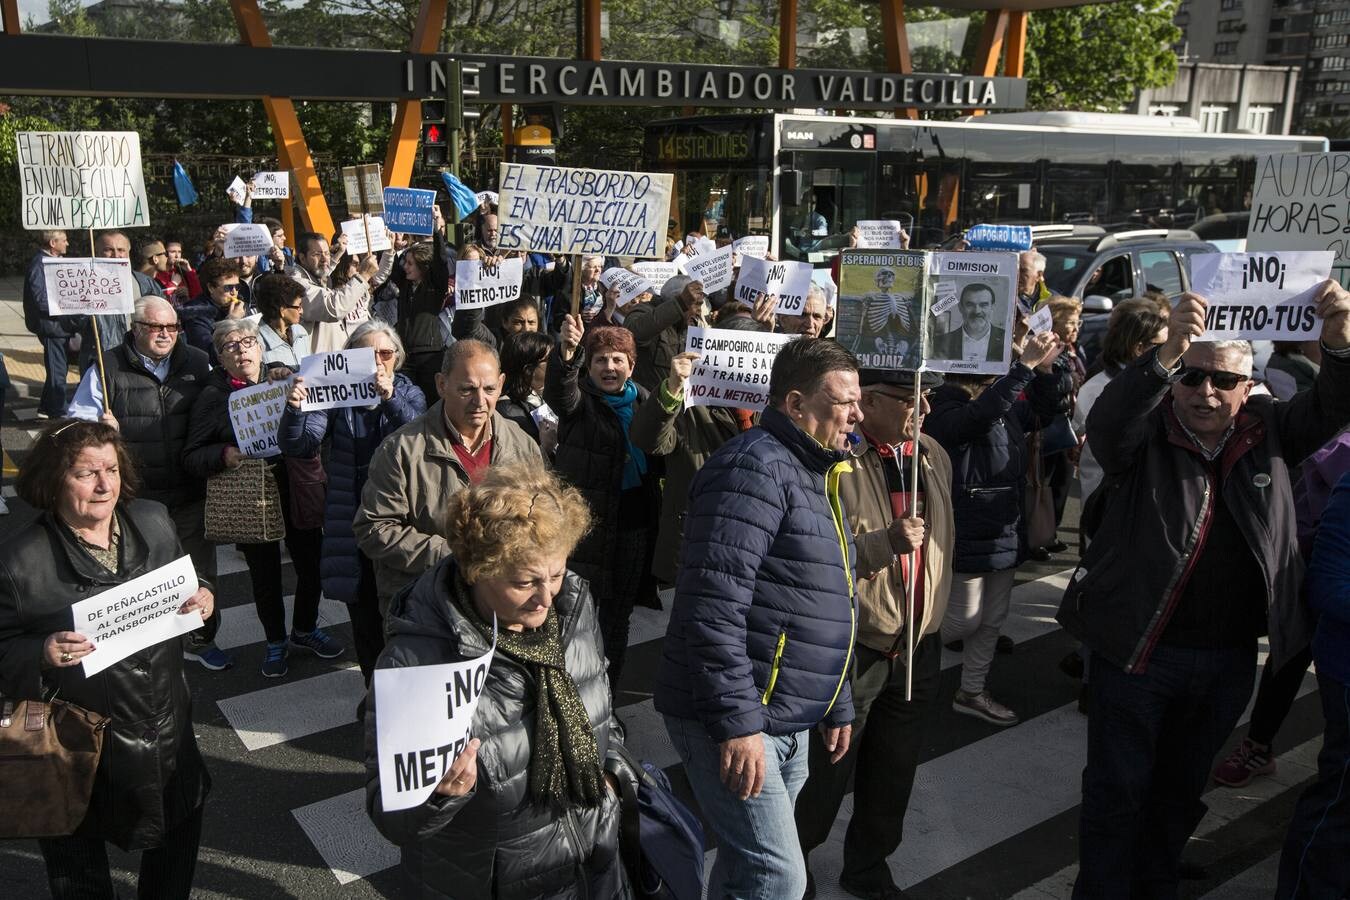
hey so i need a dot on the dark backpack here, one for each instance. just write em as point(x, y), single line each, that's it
point(661, 841)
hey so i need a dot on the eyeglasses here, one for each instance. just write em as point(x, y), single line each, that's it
point(907, 399)
point(156, 327)
point(247, 343)
point(385, 355)
point(1222, 381)
point(229, 288)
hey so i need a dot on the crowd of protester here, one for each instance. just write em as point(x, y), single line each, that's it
point(534, 465)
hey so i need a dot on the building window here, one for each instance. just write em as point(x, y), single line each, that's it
point(1211, 118)
point(1335, 17)
point(1259, 118)
point(1231, 26)
point(1228, 5)
point(1277, 24)
point(1330, 41)
point(1274, 45)
point(1225, 48)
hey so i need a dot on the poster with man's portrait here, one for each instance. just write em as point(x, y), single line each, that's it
point(971, 312)
point(881, 308)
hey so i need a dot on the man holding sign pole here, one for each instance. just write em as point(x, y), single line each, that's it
point(53, 331)
point(1213, 564)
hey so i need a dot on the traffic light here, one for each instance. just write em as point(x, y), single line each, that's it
point(461, 83)
point(434, 151)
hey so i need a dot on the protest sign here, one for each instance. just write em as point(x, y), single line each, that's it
point(658, 273)
point(756, 245)
point(408, 210)
point(1260, 296)
point(363, 189)
point(881, 307)
point(478, 285)
point(243, 239)
point(271, 186)
point(340, 378)
point(1301, 201)
point(358, 230)
point(79, 287)
point(136, 614)
point(733, 366)
point(422, 724)
point(81, 179)
point(713, 269)
point(973, 334)
point(629, 284)
point(825, 281)
point(549, 209)
point(999, 237)
point(789, 280)
point(255, 413)
point(878, 234)
point(237, 191)
point(1041, 320)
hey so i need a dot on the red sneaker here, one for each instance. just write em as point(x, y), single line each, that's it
point(1247, 760)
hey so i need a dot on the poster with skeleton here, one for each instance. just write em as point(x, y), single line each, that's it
point(883, 307)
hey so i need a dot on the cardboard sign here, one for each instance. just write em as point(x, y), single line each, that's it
point(363, 189)
point(879, 234)
point(999, 237)
point(255, 413)
point(237, 191)
point(1260, 296)
point(882, 306)
point(629, 284)
point(340, 378)
point(74, 180)
point(408, 210)
point(789, 280)
point(478, 285)
point(422, 719)
point(733, 366)
point(356, 231)
point(83, 287)
point(271, 186)
point(975, 333)
point(548, 209)
point(247, 240)
point(1041, 320)
point(140, 613)
point(1301, 201)
point(658, 273)
point(755, 245)
point(713, 269)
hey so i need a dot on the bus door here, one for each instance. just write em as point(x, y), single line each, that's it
point(833, 190)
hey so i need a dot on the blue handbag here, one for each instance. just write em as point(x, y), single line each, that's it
point(660, 839)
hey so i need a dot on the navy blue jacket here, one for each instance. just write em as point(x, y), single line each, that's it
point(761, 632)
point(35, 316)
point(986, 437)
point(1328, 586)
point(355, 435)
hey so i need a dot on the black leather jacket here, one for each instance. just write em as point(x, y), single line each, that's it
point(150, 776)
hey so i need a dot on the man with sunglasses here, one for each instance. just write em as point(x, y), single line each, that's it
point(891, 532)
point(155, 379)
point(1193, 557)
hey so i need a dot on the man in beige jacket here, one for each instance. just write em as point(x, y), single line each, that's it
point(401, 523)
point(888, 730)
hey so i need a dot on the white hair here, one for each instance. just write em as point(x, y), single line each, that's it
point(1037, 259)
point(378, 326)
point(1242, 348)
point(226, 327)
point(146, 303)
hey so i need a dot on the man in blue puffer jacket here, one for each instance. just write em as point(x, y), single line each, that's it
point(761, 632)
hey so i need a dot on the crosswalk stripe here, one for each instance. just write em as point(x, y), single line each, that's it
point(239, 625)
point(295, 709)
point(348, 841)
point(1256, 883)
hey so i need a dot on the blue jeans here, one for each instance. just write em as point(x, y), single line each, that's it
point(54, 356)
point(1152, 737)
point(1314, 865)
point(758, 857)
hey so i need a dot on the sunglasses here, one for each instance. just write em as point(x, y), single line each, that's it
point(1222, 381)
point(156, 327)
point(229, 288)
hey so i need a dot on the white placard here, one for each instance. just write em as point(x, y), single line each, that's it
point(237, 191)
point(712, 268)
point(1260, 296)
point(1041, 320)
point(679, 261)
point(422, 720)
point(75, 180)
point(247, 240)
point(755, 245)
point(974, 334)
point(658, 273)
point(1299, 203)
point(548, 209)
point(340, 378)
point(137, 614)
point(825, 281)
point(944, 297)
point(700, 247)
point(629, 284)
point(81, 287)
point(271, 186)
point(789, 280)
point(255, 413)
point(879, 234)
point(478, 285)
point(356, 229)
point(733, 366)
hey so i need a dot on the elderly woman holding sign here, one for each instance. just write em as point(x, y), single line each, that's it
point(150, 782)
point(212, 452)
point(526, 810)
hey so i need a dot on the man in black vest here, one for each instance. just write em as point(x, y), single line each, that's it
point(155, 378)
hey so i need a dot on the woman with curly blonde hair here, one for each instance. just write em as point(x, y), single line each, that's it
point(527, 810)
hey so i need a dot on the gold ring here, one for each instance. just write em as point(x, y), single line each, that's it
point(66, 657)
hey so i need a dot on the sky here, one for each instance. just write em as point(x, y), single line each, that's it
point(35, 8)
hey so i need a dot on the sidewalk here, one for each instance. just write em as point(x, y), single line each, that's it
point(23, 361)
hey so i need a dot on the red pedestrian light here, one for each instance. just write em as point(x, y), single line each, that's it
point(435, 134)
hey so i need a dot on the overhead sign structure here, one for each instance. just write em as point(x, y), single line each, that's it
point(1261, 296)
point(81, 179)
point(1301, 201)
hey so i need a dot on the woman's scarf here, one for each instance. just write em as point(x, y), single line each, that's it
point(564, 760)
point(635, 463)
